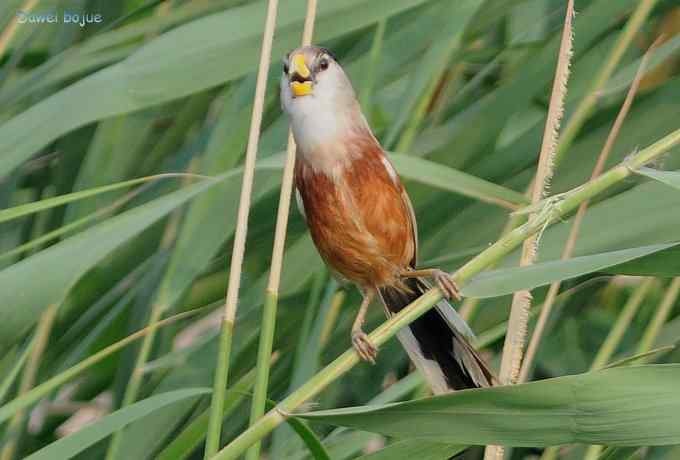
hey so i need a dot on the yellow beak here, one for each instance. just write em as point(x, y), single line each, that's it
point(300, 67)
point(301, 89)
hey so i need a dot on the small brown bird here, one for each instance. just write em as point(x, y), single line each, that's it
point(362, 221)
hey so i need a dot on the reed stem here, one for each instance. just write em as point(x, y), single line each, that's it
point(660, 316)
point(231, 302)
point(515, 339)
point(158, 308)
point(569, 246)
point(272, 293)
point(9, 32)
point(42, 335)
point(30, 397)
point(648, 338)
point(611, 343)
point(586, 106)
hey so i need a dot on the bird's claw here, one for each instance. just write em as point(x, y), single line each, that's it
point(363, 346)
point(447, 285)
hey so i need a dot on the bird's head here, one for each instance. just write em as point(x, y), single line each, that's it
point(311, 74)
point(317, 95)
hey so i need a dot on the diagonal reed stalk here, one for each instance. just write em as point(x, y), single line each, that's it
point(76, 224)
point(573, 233)
point(647, 341)
point(10, 30)
point(553, 210)
point(19, 360)
point(331, 318)
point(157, 309)
point(613, 339)
point(587, 105)
point(230, 305)
point(642, 357)
point(515, 339)
point(471, 304)
point(607, 350)
point(44, 326)
point(268, 326)
point(31, 397)
point(660, 316)
point(14, 430)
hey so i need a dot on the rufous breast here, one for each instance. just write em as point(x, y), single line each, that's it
point(358, 217)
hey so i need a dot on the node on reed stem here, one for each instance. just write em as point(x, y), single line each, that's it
point(272, 291)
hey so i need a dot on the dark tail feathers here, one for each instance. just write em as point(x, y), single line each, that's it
point(436, 342)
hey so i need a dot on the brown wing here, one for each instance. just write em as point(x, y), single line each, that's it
point(414, 224)
point(409, 206)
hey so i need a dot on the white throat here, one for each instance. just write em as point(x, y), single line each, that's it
point(325, 122)
point(318, 122)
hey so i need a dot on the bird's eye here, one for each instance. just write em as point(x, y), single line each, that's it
point(285, 68)
point(323, 64)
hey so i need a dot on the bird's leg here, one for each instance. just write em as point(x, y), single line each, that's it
point(443, 280)
point(360, 340)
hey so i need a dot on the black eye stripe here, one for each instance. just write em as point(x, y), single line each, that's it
point(324, 57)
point(286, 68)
point(329, 53)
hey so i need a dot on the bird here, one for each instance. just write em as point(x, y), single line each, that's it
point(362, 222)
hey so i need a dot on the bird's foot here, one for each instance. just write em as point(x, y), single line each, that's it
point(363, 346)
point(448, 287)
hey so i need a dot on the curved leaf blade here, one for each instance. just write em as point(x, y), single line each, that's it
point(59, 267)
point(630, 406)
point(664, 263)
point(60, 200)
point(409, 449)
point(670, 178)
point(72, 445)
point(446, 178)
point(508, 280)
